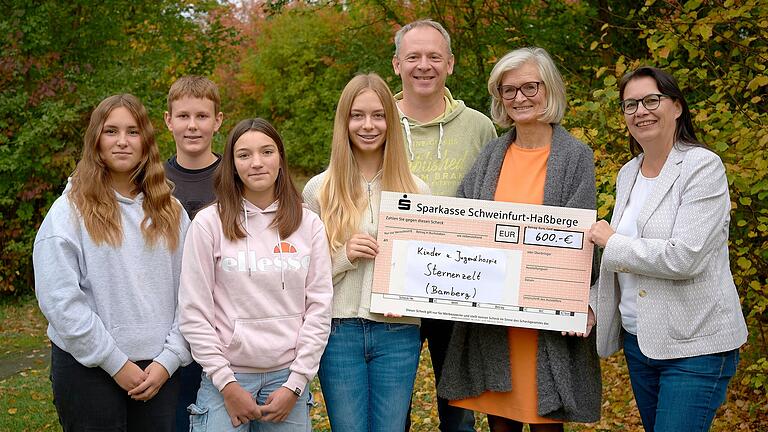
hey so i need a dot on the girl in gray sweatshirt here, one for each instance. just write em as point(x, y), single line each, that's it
point(107, 260)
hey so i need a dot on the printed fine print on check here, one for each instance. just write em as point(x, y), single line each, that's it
point(488, 262)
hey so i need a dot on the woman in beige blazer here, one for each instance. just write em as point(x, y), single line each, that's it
point(665, 293)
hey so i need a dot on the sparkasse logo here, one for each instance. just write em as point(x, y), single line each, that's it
point(404, 203)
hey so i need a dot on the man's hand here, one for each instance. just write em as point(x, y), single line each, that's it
point(156, 377)
point(279, 404)
point(240, 405)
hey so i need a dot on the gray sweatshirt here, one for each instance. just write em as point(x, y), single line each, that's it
point(106, 305)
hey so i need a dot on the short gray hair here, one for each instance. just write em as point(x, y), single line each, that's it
point(553, 81)
point(421, 23)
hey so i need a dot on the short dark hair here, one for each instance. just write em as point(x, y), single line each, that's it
point(684, 132)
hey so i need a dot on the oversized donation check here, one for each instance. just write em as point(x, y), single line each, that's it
point(483, 261)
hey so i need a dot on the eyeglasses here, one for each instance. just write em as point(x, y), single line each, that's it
point(650, 102)
point(529, 89)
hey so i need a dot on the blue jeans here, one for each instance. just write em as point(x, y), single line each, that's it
point(678, 394)
point(209, 414)
point(367, 374)
point(189, 378)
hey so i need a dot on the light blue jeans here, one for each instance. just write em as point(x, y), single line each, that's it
point(678, 394)
point(367, 374)
point(209, 414)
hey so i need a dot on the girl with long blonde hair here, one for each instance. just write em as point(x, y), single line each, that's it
point(369, 365)
point(107, 260)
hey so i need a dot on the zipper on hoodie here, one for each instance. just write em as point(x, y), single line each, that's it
point(368, 185)
point(370, 205)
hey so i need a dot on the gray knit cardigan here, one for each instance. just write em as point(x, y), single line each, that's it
point(567, 367)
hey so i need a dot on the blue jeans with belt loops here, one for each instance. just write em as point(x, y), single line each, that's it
point(209, 414)
point(680, 394)
point(367, 374)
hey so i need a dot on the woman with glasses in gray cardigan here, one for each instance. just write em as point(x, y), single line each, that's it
point(518, 375)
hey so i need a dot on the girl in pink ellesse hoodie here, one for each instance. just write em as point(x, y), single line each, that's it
point(255, 291)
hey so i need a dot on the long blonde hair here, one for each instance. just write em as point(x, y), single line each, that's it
point(341, 196)
point(92, 193)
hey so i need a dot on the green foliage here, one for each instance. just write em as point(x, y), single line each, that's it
point(717, 50)
point(58, 61)
point(482, 31)
point(756, 375)
point(293, 70)
point(328, 44)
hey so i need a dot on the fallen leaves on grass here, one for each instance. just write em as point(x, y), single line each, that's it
point(28, 399)
point(743, 410)
point(22, 326)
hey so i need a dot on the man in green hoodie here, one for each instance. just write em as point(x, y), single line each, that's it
point(444, 137)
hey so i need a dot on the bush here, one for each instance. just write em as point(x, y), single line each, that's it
point(58, 61)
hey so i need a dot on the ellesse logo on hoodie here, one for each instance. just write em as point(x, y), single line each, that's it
point(286, 246)
point(289, 259)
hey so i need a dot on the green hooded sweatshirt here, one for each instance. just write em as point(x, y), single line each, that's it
point(441, 151)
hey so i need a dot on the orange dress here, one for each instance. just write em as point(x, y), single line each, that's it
point(521, 180)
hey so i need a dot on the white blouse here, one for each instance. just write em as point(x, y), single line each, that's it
point(628, 227)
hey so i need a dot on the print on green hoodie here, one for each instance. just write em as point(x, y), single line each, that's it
point(441, 151)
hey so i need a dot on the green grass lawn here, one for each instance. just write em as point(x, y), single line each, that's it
point(26, 399)
point(27, 403)
point(22, 326)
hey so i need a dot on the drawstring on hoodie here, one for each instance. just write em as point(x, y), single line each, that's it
point(407, 129)
point(440, 142)
point(282, 261)
point(247, 234)
point(248, 249)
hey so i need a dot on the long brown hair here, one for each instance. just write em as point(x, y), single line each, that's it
point(341, 194)
point(229, 187)
point(92, 193)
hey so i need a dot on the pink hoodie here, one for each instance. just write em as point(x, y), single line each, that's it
point(257, 304)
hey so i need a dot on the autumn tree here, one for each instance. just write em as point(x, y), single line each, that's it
point(57, 61)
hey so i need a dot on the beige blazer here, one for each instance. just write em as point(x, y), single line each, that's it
point(687, 302)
